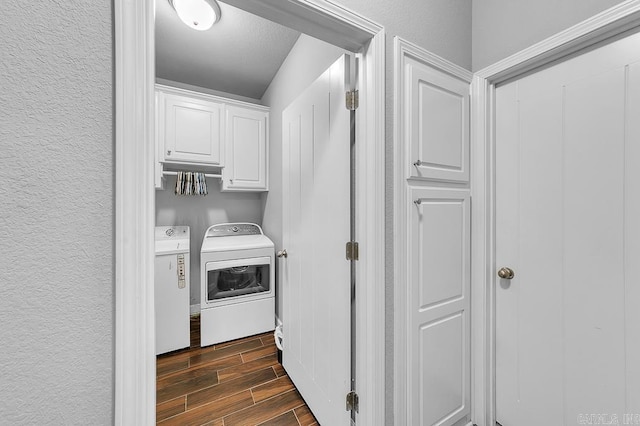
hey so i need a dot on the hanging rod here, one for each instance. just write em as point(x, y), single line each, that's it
point(207, 175)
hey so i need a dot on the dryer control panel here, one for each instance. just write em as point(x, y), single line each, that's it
point(232, 229)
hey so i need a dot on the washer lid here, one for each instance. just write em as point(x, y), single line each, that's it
point(240, 242)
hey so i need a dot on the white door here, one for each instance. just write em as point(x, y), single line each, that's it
point(568, 225)
point(316, 225)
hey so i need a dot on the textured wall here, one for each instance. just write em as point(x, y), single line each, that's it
point(308, 59)
point(504, 27)
point(56, 213)
point(201, 212)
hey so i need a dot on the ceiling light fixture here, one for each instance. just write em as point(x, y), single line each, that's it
point(198, 14)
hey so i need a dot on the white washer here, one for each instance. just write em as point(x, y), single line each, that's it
point(172, 288)
point(237, 283)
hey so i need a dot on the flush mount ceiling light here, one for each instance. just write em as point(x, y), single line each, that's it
point(198, 14)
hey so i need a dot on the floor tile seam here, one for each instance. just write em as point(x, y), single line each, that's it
point(244, 363)
point(264, 383)
point(216, 400)
point(226, 395)
point(177, 414)
point(264, 401)
point(276, 416)
point(296, 415)
point(187, 379)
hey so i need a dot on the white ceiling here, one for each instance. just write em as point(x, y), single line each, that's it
point(240, 54)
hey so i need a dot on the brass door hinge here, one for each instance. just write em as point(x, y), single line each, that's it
point(352, 250)
point(352, 100)
point(352, 401)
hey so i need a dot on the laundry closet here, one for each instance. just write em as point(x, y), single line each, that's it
point(218, 172)
point(221, 117)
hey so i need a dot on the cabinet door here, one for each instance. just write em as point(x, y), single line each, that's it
point(246, 168)
point(438, 340)
point(437, 106)
point(193, 130)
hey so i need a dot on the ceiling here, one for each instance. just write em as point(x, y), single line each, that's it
point(239, 55)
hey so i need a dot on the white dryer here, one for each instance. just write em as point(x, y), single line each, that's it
point(237, 278)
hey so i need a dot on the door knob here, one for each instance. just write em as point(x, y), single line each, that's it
point(506, 273)
point(282, 253)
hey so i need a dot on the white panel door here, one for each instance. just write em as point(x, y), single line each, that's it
point(316, 275)
point(568, 224)
point(438, 306)
point(246, 148)
point(191, 129)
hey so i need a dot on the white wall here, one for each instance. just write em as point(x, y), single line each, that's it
point(504, 27)
point(56, 213)
point(306, 61)
point(200, 212)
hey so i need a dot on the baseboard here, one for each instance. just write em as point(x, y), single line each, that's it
point(195, 310)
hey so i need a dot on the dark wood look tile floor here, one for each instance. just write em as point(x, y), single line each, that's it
point(230, 384)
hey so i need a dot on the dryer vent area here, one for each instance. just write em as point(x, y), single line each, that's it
point(232, 383)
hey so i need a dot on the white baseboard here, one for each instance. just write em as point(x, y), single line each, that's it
point(195, 309)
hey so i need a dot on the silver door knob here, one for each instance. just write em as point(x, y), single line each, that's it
point(506, 273)
point(282, 253)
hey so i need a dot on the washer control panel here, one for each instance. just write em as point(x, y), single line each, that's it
point(171, 232)
point(233, 229)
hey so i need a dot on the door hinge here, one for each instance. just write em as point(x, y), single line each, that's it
point(352, 100)
point(352, 401)
point(352, 250)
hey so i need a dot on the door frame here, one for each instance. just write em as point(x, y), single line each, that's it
point(134, 349)
point(405, 49)
point(598, 29)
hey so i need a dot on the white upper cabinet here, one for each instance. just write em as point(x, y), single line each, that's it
point(202, 130)
point(437, 106)
point(246, 165)
point(190, 129)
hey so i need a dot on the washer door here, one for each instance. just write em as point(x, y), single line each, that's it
point(233, 281)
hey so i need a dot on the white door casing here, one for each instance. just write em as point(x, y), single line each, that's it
point(432, 240)
point(134, 218)
point(566, 213)
point(605, 26)
point(316, 312)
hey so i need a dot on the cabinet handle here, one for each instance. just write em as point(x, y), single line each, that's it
point(282, 253)
point(168, 152)
point(417, 163)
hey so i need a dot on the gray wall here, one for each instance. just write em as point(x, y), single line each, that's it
point(200, 212)
point(502, 28)
point(306, 61)
point(56, 213)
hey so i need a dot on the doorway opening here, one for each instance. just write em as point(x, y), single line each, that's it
point(348, 30)
point(242, 74)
